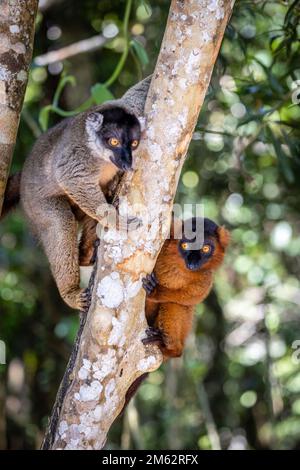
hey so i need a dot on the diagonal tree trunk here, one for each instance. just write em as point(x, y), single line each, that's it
point(17, 19)
point(109, 354)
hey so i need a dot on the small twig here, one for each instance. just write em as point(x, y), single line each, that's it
point(80, 47)
point(209, 420)
point(124, 55)
point(275, 401)
point(131, 428)
point(44, 5)
point(211, 131)
point(172, 379)
point(31, 123)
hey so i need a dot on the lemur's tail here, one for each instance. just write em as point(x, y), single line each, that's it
point(133, 389)
point(12, 193)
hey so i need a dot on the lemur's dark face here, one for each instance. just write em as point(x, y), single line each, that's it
point(198, 250)
point(120, 133)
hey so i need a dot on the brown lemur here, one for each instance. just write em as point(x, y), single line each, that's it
point(182, 278)
point(66, 177)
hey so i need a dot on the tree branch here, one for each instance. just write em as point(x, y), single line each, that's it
point(80, 47)
point(16, 41)
point(44, 5)
point(110, 353)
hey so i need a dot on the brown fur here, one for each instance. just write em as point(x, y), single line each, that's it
point(64, 180)
point(61, 183)
point(171, 306)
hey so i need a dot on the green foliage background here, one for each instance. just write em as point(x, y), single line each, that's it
point(238, 383)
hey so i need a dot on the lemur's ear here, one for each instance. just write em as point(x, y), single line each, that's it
point(94, 122)
point(224, 237)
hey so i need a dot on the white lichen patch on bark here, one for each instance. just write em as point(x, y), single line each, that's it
point(98, 412)
point(4, 73)
point(89, 392)
point(147, 363)
point(217, 7)
point(62, 428)
point(84, 372)
point(115, 326)
point(10, 45)
point(106, 364)
point(14, 28)
point(111, 290)
point(117, 335)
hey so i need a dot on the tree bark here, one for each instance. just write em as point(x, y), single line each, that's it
point(17, 19)
point(110, 354)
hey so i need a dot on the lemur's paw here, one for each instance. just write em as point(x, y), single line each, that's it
point(154, 335)
point(149, 283)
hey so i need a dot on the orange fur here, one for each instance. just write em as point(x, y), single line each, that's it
point(171, 305)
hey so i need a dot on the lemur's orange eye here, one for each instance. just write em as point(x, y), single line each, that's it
point(114, 142)
point(184, 245)
point(134, 144)
point(205, 249)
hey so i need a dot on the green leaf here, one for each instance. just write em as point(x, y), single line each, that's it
point(140, 52)
point(100, 93)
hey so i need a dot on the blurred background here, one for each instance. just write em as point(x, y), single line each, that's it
point(237, 385)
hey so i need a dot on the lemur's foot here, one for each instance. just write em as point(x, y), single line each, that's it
point(78, 299)
point(149, 283)
point(85, 300)
point(154, 335)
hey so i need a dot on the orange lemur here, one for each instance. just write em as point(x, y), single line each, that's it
point(181, 279)
point(66, 177)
